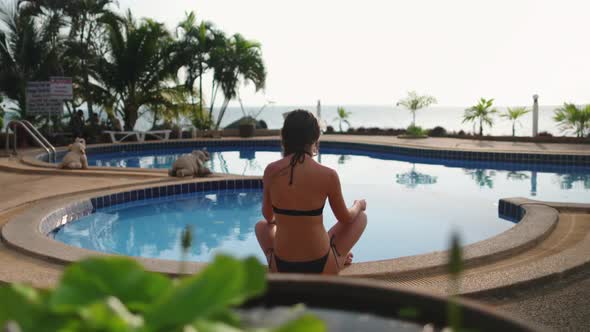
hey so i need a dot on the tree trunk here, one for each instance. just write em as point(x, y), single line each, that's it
point(155, 118)
point(130, 117)
point(413, 118)
point(213, 96)
point(513, 129)
point(221, 113)
point(87, 93)
point(201, 90)
point(480, 127)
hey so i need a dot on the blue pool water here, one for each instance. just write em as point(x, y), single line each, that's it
point(413, 204)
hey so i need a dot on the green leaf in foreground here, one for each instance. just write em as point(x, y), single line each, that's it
point(96, 279)
point(307, 323)
point(226, 281)
point(408, 313)
point(109, 315)
point(18, 303)
point(455, 258)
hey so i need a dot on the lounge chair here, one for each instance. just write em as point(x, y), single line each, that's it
point(139, 135)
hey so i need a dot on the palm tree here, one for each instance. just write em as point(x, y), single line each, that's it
point(414, 102)
point(481, 112)
point(140, 62)
point(574, 118)
point(29, 51)
point(513, 114)
point(342, 117)
point(84, 45)
point(197, 43)
point(239, 61)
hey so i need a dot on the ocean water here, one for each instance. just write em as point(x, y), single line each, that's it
point(395, 117)
point(384, 116)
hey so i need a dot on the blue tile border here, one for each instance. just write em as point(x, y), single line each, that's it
point(74, 211)
point(562, 159)
point(510, 211)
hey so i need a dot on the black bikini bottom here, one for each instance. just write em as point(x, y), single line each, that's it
point(313, 266)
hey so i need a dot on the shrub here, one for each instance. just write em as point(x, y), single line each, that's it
point(117, 294)
point(437, 132)
point(545, 134)
point(330, 130)
point(415, 131)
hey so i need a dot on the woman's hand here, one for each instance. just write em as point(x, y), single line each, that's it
point(362, 204)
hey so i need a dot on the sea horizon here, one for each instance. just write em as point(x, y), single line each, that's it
point(386, 117)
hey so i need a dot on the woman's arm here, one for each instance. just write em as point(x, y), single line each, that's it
point(342, 213)
point(266, 202)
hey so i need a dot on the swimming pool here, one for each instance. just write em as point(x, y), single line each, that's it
point(414, 203)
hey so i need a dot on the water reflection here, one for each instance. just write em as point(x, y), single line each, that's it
point(343, 159)
point(153, 230)
point(568, 181)
point(413, 178)
point(482, 177)
point(517, 176)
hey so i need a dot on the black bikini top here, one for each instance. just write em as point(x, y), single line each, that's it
point(299, 213)
point(298, 158)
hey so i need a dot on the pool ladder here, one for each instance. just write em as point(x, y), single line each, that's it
point(34, 133)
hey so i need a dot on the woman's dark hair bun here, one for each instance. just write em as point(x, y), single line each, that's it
point(301, 129)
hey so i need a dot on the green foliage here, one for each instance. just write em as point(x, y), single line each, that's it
point(201, 120)
point(197, 43)
point(141, 59)
point(437, 131)
point(248, 120)
point(29, 50)
point(455, 268)
point(409, 313)
point(117, 294)
point(573, 118)
point(124, 66)
point(514, 114)
point(415, 131)
point(414, 102)
point(238, 61)
point(342, 117)
point(482, 112)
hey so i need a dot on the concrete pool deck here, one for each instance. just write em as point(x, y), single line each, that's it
point(559, 256)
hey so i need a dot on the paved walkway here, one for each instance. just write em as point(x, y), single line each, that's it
point(20, 188)
point(468, 144)
point(563, 305)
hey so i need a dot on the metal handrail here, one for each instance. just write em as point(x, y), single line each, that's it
point(26, 128)
point(43, 139)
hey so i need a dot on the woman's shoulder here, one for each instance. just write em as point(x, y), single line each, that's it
point(273, 167)
point(326, 171)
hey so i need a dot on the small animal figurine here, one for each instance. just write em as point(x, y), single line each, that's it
point(192, 164)
point(76, 157)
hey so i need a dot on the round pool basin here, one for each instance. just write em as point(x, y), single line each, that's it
point(414, 203)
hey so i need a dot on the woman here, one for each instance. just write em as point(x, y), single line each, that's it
point(292, 234)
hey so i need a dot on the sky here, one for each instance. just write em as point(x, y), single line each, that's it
point(372, 52)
